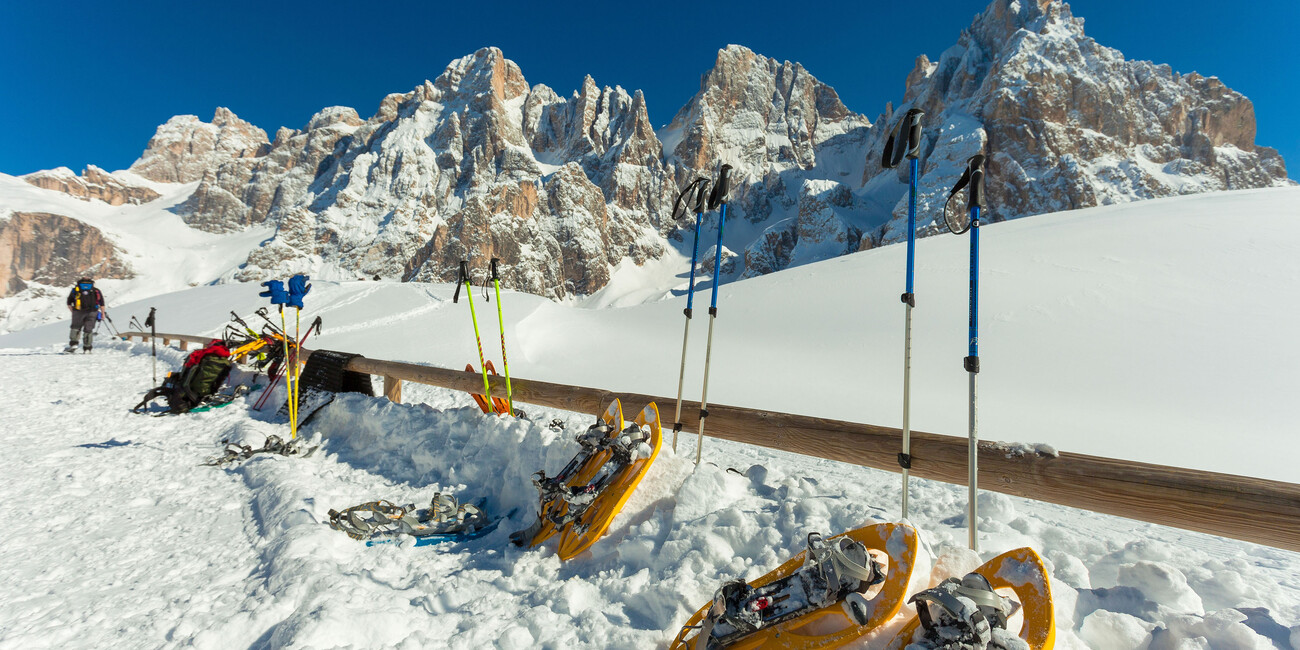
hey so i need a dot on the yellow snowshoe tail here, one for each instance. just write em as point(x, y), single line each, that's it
point(830, 626)
point(580, 535)
point(613, 417)
point(1022, 571)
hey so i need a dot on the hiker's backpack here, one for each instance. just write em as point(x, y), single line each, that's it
point(87, 297)
point(204, 372)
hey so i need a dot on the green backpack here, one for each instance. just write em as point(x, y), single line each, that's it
point(204, 373)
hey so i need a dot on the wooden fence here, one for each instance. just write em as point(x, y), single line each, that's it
point(1240, 507)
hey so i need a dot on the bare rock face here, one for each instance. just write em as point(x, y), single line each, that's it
point(789, 139)
point(472, 165)
point(52, 249)
point(477, 164)
point(185, 147)
point(94, 184)
point(1068, 123)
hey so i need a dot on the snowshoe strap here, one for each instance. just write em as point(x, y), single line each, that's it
point(842, 552)
point(970, 602)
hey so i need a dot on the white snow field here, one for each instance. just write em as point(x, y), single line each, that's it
point(1157, 331)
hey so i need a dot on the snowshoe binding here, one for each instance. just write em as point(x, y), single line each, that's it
point(582, 500)
point(236, 453)
point(967, 614)
point(445, 520)
point(818, 599)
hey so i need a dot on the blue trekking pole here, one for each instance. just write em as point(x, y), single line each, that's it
point(701, 187)
point(717, 198)
point(894, 152)
point(974, 177)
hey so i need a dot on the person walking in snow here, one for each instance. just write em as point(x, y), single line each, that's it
point(87, 306)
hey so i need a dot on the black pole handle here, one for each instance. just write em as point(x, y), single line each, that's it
point(976, 167)
point(149, 322)
point(894, 150)
point(462, 276)
point(702, 196)
point(496, 276)
point(720, 189)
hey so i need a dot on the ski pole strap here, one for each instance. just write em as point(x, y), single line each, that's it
point(905, 461)
point(682, 205)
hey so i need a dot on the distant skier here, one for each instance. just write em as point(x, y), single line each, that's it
point(87, 306)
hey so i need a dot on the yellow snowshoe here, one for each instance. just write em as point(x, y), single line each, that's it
point(968, 610)
point(818, 599)
point(575, 476)
point(640, 443)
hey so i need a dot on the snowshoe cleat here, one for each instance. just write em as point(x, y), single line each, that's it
point(968, 614)
point(817, 599)
point(445, 520)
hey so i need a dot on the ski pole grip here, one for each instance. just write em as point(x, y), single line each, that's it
point(914, 132)
point(702, 196)
point(720, 188)
point(462, 275)
point(496, 277)
point(976, 166)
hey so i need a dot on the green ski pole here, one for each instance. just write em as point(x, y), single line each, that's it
point(501, 323)
point(463, 281)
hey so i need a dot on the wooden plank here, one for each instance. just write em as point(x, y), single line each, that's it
point(1251, 509)
point(185, 345)
point(393, 389)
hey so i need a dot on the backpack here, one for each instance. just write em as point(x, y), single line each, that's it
point(87, 297)
point(204, 372)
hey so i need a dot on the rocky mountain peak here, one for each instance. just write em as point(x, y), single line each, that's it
point(1069, 123)
point(759, 115)
point(183, 148)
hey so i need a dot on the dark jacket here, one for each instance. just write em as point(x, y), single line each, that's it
point(73, 303)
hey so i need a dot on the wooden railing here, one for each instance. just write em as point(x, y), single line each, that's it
point(1241, 507)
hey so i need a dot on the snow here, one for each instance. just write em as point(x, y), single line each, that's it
point(1145, 331)
point(165, 254)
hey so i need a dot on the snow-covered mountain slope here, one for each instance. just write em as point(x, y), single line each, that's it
point(162, 252)
point(1116, 331)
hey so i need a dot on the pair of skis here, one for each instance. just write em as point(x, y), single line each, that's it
point(581, 501)
point(909, 129)
point(486, 401)
point(699, 188)
point(826, 596)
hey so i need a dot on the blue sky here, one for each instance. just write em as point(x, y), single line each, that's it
point(88, 82)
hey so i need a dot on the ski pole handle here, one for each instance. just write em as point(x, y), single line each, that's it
point(462, 278)
point(721, 188)
point(496, 277)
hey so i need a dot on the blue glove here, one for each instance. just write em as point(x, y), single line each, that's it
point(275, 291)
point(298, 288)
point(99, 315)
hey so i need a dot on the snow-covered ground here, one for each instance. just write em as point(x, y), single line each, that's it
point(1154, 331)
